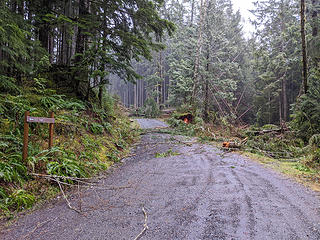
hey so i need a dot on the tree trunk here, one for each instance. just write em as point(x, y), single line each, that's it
point(284, 108)
point(269, 108)
point(315, 25)
point(141, 92)
point(21, 8)
point(14, 6)
point(100, 94)
point(206, 100)
point(198, 52)
point(192, 12)
point(303, 46)
point(285, 99)
point(65, 48)
point(80, 75)
point(280, 107)
point(315, 5)
point(160, 67)
point(160, 74)
point(44, 28)
point(135, 95)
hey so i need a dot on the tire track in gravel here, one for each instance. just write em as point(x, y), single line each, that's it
point(280, 206)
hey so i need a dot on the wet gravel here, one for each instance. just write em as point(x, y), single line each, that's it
point(202, 193)
point(150, 123)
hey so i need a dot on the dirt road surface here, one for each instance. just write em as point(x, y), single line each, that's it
point(202, 193)
point(150, 123)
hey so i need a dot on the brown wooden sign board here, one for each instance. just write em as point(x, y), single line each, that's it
point(28, 119)
point(40, 119)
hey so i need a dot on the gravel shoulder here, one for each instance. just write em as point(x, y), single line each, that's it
point(202, 193)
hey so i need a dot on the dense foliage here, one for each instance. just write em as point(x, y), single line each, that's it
point(88, 138)
point(82, 41)
point(57, 56)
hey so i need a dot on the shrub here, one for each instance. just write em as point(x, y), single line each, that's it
point(306, 117)
point(151, 108)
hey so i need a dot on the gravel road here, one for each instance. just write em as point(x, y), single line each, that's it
point(150, 123)
point(202, 193)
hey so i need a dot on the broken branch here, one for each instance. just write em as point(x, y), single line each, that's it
point(145, 226)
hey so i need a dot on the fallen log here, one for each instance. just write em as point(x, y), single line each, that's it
point(261, 132)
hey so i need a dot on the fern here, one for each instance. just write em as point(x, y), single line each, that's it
point(20, 199)
point(96, 128)
point(314, 141)
point(42, 157)
point(53, 102)
point(12, 171)
point(67, 168)
point(10, 143)
point(15, 107)
point(74, 105)
point(7, 85)
point(4, 200)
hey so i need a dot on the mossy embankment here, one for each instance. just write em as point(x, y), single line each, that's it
point(88, 138)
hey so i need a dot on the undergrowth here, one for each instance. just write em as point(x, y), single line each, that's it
point(88, 138)
point(195, 128)
point(150, 109)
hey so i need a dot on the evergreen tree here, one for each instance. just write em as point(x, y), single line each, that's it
point(214, 75)
point(276, 59)
point(85, 40)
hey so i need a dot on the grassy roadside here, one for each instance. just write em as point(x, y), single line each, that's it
point(292, 169)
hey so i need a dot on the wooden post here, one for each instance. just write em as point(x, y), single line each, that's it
point(25, 137)
point(51, 131)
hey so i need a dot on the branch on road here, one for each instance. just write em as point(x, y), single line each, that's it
point(91, 185)
point(144, 225)
point(65, 197)
point(79, 180)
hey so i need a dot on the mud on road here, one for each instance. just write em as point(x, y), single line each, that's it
point(202, 193)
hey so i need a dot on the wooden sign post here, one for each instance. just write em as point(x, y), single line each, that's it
point(25, 136)
point(27, 120)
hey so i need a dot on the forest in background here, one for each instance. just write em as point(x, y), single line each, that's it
point(210, 64)
point(261, 91)
point(70, 56)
